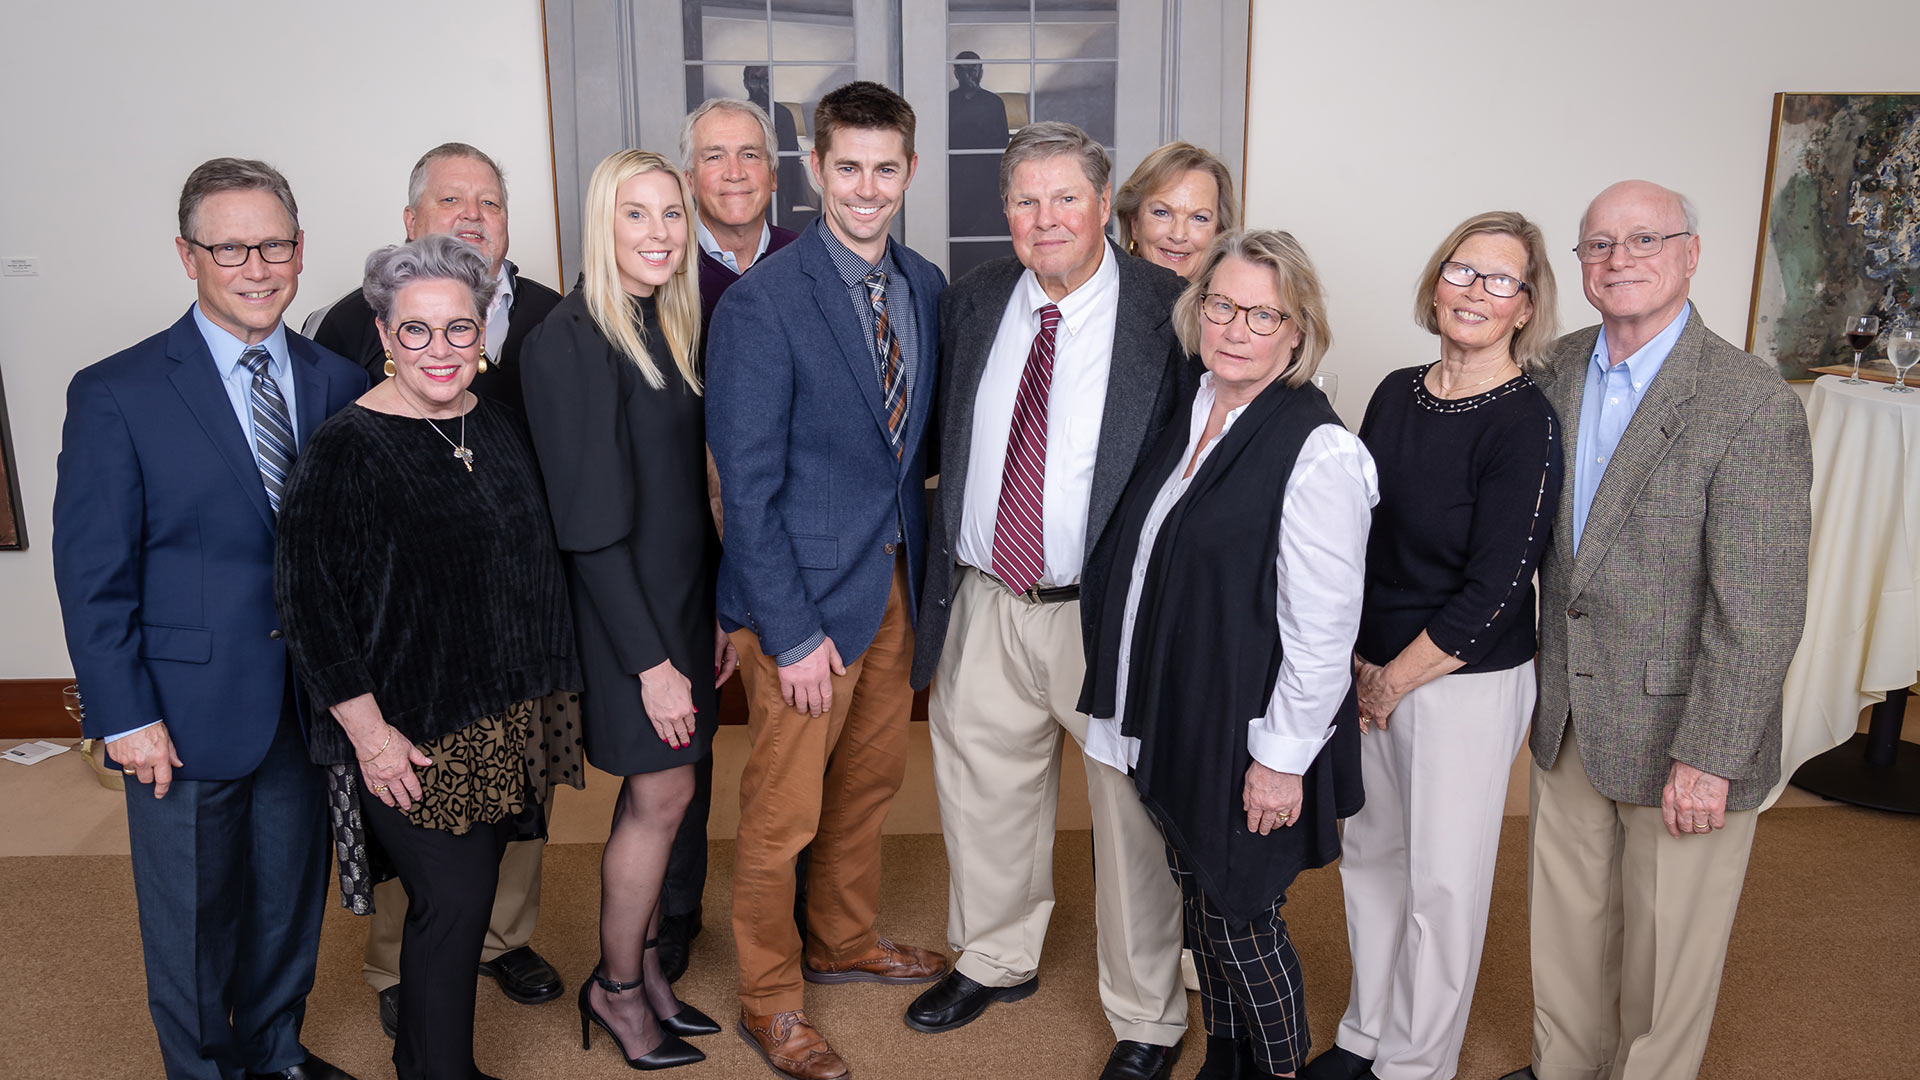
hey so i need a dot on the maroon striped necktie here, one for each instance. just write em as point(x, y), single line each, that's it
point(1019, 536)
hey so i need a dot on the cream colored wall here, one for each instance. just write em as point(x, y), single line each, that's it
point(1359, 142)
point(1376, 127)
point(110, 105)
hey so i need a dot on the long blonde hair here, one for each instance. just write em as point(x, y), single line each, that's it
point(678, 301)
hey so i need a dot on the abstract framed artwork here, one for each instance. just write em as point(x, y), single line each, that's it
point(1839, 226)
point(13, 528)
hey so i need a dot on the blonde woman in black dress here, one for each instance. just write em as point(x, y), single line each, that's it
point(613, 401)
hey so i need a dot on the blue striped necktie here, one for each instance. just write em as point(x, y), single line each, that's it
point(272, 431)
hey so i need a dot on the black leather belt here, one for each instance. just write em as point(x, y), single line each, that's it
point(1038, 595)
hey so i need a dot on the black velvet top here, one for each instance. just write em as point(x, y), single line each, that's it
point(399, 572)
point(1468, 490)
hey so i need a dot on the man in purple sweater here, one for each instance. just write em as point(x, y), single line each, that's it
point(726, 149)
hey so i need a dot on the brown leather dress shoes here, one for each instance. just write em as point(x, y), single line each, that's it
point(791, 1046)
point(887, 963)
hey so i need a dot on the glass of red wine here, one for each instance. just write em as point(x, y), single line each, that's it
point(1860, 335)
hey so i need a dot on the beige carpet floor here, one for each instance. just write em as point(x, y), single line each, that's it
point(1823, 976)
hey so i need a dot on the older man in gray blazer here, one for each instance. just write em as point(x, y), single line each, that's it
point(1058, 367)
point(1671, 601)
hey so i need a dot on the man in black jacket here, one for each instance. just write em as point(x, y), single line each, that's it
point(457, 189)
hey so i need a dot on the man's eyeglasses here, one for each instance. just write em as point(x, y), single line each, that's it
point(272, 251)
point(1219, 308)
point(416, 335)
point(1462, 275)
point(1639, 246)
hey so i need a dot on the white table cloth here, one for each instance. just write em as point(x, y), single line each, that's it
point(1863, 587)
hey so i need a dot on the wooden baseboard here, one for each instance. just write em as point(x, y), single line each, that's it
point(31, 709)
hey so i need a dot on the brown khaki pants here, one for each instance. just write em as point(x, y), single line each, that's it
point(824, 782)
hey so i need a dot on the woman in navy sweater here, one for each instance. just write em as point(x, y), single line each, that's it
point(1469, 457)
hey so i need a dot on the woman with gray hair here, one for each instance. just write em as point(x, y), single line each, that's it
point(425, 607)
point(1219, 672)
point(1470, 470)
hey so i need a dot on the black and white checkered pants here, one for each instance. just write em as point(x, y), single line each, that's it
point(1250, 985)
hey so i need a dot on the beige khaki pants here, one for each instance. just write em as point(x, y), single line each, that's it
point(1009, 677)
point(1416, 867)
point(516, 909)
point(1629, 927)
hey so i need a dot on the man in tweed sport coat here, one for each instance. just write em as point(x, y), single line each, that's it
point(1671, 600)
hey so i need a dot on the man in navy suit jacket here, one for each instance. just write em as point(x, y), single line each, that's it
point(820, 380)
point(171, 463)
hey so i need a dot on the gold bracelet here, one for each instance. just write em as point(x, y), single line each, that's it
point(383, 747)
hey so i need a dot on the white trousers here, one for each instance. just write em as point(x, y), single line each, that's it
point(1417, 867)
point(1002, 704)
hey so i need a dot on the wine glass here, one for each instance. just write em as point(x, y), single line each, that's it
point(1860, 335)
point(1328, 383)
point(1903, 351)
point(90, 749)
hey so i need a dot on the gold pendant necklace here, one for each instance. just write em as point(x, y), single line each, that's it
point(1448, 391)
point(460, 450)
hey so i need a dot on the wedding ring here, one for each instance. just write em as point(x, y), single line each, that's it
point(129, 772)
point(379, 789)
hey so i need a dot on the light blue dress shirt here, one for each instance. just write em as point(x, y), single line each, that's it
point(1613, 394)
point(711, 245)
point(238, 378)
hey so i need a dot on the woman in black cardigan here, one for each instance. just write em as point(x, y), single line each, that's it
point(614, 405)
point(1220, 667)
point(1470, 472)
point(425, 608)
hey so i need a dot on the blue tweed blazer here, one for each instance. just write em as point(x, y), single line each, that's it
point(812, 495)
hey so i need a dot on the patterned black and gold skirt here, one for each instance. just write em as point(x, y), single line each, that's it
point(499, 768)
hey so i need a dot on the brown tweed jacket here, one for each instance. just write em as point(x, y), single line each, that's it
point(1669, 636)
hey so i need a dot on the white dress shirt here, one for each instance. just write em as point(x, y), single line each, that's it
point(500, 313)
point(1322, 564)
point(1082, 356)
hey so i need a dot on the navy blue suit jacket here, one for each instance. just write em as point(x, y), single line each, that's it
point(812, 495)
point(163, 547)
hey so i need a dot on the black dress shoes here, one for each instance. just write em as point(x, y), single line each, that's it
point(311, 1069)
point(1338, 1063)
point(523, 976)
point(956, 1001)
point(1229, 1059)
point(1524, 1072)
point(390, 1011)
point(676, 943)
point(1140, 1061)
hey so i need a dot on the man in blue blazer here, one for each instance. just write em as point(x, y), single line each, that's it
point(820, 381)
point(171, 465)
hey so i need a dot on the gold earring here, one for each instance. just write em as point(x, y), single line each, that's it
point(483, 359)
point(1133, 247)
point(388, 366)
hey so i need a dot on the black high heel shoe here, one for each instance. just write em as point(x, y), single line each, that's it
point(672, 1051)
point(689, 1021)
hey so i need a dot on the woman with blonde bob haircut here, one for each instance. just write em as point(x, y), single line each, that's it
point(1470, 472)
point(614, 404)
point(1226, 594)
point(1174, 204)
